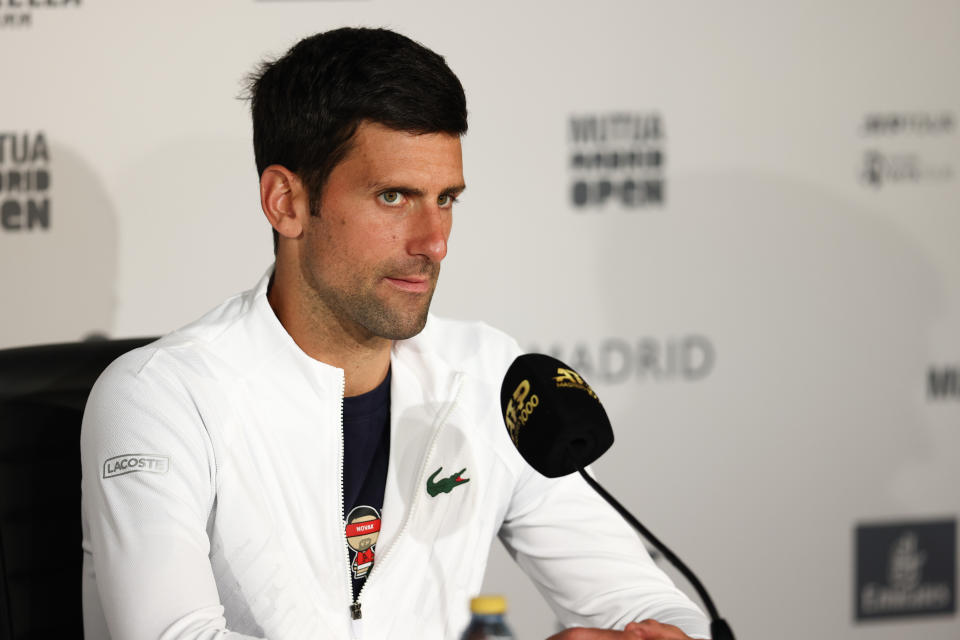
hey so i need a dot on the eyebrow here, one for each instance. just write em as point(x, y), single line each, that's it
point(455, 190)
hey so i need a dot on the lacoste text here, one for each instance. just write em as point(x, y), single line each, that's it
point(133, 462)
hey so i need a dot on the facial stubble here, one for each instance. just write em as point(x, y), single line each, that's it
point(361, 306)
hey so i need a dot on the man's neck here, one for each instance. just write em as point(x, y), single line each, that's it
point(364, 358)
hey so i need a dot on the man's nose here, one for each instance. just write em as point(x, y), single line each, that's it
point(430, 233)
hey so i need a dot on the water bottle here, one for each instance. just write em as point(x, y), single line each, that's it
point(487, 622)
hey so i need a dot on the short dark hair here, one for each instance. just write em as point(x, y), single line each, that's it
point(308, 104)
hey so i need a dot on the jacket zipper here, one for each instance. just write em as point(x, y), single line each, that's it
point(355, 614)
point(354, 606)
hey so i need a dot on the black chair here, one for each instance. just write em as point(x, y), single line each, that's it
point(43, 391)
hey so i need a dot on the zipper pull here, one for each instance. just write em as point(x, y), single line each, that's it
point(356, 622)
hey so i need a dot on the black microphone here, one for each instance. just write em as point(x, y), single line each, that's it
point(559, 426)
point(553, 417)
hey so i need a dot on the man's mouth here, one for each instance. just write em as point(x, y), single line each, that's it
point(411, 284)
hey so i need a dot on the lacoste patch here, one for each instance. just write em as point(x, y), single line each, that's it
point(134, 462)
point(444, 485)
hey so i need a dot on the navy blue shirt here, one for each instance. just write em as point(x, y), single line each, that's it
point(366, 451)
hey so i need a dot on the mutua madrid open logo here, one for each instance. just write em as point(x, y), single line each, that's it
point(19, 13)
point(906, 569)
point(24, 181)
point(616, 158)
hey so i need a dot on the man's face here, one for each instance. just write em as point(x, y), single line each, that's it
point(373, 254)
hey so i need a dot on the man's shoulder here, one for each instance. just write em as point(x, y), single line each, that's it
point(196, 347)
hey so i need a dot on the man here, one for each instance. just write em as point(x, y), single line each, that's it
point(249, 437)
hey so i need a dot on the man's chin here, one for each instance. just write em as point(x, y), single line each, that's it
point(398, 323)
point(403, 329)
point(393, 317)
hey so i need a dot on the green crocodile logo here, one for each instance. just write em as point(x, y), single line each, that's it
point(444, 485)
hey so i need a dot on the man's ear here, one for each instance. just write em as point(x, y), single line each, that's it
point(284, 200)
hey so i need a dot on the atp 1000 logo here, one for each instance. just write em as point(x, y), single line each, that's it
point(929, 137)
point(519, 409)
point(616, 158)
point(24, 182)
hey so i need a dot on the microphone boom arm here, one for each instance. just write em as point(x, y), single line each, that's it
point(719, 628)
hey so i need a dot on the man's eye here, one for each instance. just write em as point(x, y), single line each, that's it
point(391, 198)
point(446, 201)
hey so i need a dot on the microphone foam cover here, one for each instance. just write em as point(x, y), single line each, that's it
point(553, 416)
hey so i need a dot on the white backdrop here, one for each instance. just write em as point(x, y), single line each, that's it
point(762, 338)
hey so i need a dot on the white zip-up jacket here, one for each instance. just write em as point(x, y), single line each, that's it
point(212, 495)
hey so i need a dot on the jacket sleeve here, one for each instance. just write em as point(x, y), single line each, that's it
point(587, 562)
point(148, 491)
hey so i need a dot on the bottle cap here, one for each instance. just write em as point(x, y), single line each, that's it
point(488, 605)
